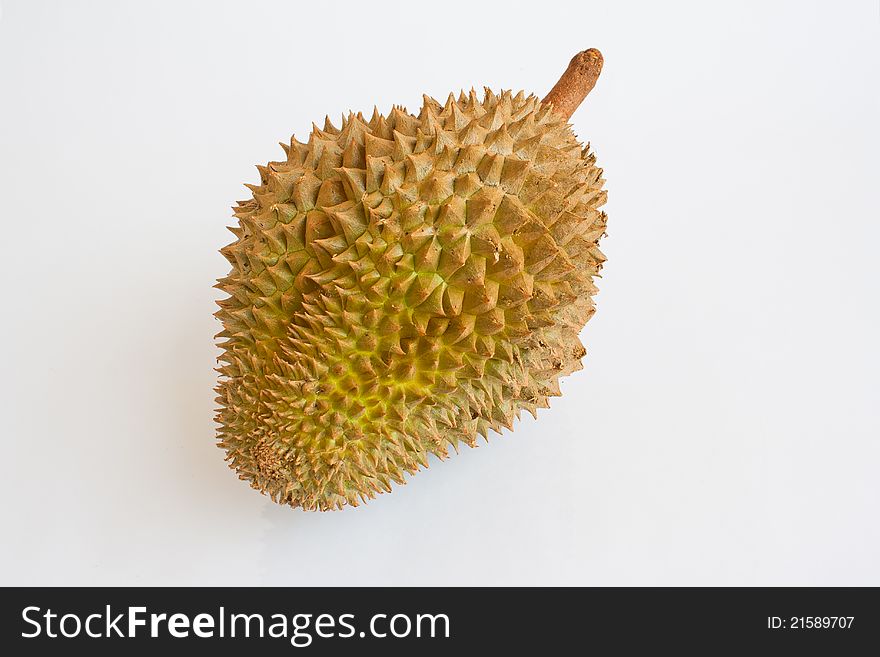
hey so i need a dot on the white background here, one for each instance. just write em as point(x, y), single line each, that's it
point(725, 427)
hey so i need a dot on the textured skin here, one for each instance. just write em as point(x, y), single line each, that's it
point(400, 286)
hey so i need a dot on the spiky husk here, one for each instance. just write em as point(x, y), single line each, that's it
point(401, 286)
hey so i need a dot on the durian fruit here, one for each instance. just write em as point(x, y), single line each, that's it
point(403, 284)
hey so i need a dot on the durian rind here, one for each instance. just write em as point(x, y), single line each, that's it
point(402, 285)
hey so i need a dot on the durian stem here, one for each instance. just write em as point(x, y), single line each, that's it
point(577, 81)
